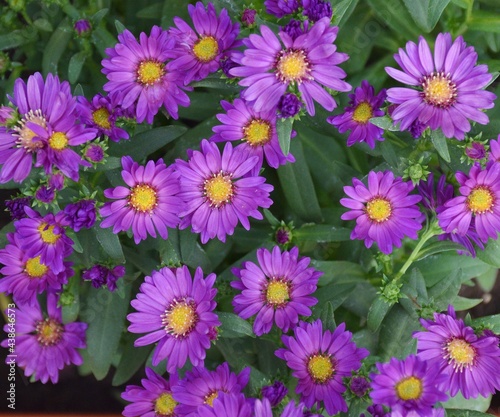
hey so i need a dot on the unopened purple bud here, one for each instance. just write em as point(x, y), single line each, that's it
point(289, 105)
point(82, 27)
point(295, 28)
point(476, 151)
point(283, 236)
point(317, 9)
point(274, 393)
point(16, 207)
point(94, 153)
point(359, 385)
point(377, 411)
point(81, 214)
point(226, 64)
point(248, 17)
point(6, 115)
point(416, 128)
point(56, 181)
point(96, 274)
point(45, 194)
point(113, 275)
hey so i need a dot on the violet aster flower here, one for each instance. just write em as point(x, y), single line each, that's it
point(317, 9)
point(25, 277)
point(308, 62)
point(226, 405)
point(45, 194)
point(150, 202)
point(94, 153)
point(494, 154)
point(263, 409)
point(320, 359)
point(221, 190)
point(274, 393)
point(45, 344)
point(363, 105)
point(201, 387)
point(450, 86)
point(256, 129)
point(407, 385)
point(139, 70)
point(200, 51)
point(45, 236)
point(278, 289)
point(154, 398)
point(81, 214)
point(101, 275)
point(280, 8)
point(289, 105)
point(479, 201)
point(294, 28)
point(476, 151)
point(16, 207)
point(175, 310)
point(359, 385)
point(384, 211)
point(471, 363)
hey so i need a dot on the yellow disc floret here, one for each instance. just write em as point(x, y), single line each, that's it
point(257, 132)
point(277, 292)
point(143, 198)
point(164, 405)
point(149, 72)
point(460, 353)
point(48, 332)
point(58, 141)
point(47, 233)
point(25, 134)
point(409, 388)
point(210, 398)
point(362, 113)
point(320, 368)
point(34, 268)
point(101, 118)
point(439, 90)
point(378, 209)
point(180, 318)
point(206, 49)
point(219, 189)
point(480, 200)
point(292, 66)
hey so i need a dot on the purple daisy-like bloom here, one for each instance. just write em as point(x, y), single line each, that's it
point(149, 202)
point(407, 385)
point(363, 105)
point(221, 190)
point(16, 207)
point(274, 393)
point(139, 71)
point(175, 310)
point(494, 154)
point(201, 387)
point(153, 399)
point(451, 86)
point(200, 52)
point(479, 202)
point(263, 409)
point(81, 215)
point(307, 62)
point(384, 211)
point(278, 289)
point(226, 405)
point(256, 129)
point(319, 360)
point(280, 8)
point(45, 236)
point(317, 9)
point(24, 277)
point(470, 362)
point(45, 344)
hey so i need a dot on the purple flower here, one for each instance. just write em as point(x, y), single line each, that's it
point(154, 398)
point(150, 202)
point(479, 201)
point(278, 289)
point(201, 387)
point(45, 194)
point(476, 151)
point(200, 52)
point(363, 105)
point(307, 62)
point(16, 207)
point(139, 71)
point(263, 409)
point(94, 153)
point(248, 17)
point(56, 181)
point(283, 235)
point(376, 411)
point(317, 9)
point(274, 393)
point(319, 360)
point(82, 27)
point(451, 86)
point(226, 405)
point(471, 363)
point(101, 276)
point(289, 105)
point(176, 311)
point(45, 344)
point(359, 385)
point(221, 190)
point(384, 211)
point(416, 128)
point(280, 8)
point(256, 129)
point(494, 154)
point(7, 115)
point(294, 28)
point(25, 277)
point(81, 214)
point(407, 385)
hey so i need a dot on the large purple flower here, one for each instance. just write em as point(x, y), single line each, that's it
point(176, 310)
point(256, 129)
point(319, 360)
point(200, 52)
point(307, 63)
point(450, 86)
point(220, 190)
point(139, 71)
point(149, 202)
point(363, 105)
point(43, 345)
point(278, 289)
point(384, 211)
point(470, 362)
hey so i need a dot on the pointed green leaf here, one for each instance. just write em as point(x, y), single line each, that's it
point(56, 46)
point(441, 144)
point(426, 13)
point(110, 243)
point(377, 312)
point(284, 129)
point(327, 317)
point(234, 326)
point(120, 27)
point(132, 359)
point(75, 66)
point(322, 233)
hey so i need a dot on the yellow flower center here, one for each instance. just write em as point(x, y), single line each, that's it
point(209, 399)
point(25, 134)
point(47, 233)
point(460, 352)
point(277, 292)
point(164, 405)
point(292, 66)
point(439, 90)
point(362, 113)
point(101, 118)
point(409, 388)
point(143, 198)
point(257, 132)
point(149, 72)
point(378, 209)
point(179, 319)
point(48, 332)
point(480, 200)
point(58, 141)
point(206, 49)
point(320, 368)
point(34, 268)
point(219, 189)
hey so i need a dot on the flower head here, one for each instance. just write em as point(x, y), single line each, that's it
point(94, 153)
point(280, 8)
point(82, 27)
point(274, 393)
point(359, 385)
point(476, 151)
point(317, 9)
point(289, 105)
point(248, 17)
point(16, 207)
point(294, 28)
point(384, 211)
point(81, 215)
point(45, 194)
point(226, 405)
point(263, 409)
point(450, 86)
point(101, 275)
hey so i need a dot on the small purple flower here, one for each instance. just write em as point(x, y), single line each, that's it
point(283, 235)
point(16, 207)
point(45, 194)
point(317, 9)
point(226, 405)
point(417, 128)
point(363, 105)
point(101, 276)
point(248, 17)
point(384, 211)
point(56, 181)
point(263, 409)
point(359, 385)
point(6, 115)
point(476, 151)
point(376, 411)
point(494, 154)
point(82, 27)
point(294, 28)
point(289, 105)
point(274, 393)
point(226, 64)
point(81, 215)
point(94, 153)
point(280, 8)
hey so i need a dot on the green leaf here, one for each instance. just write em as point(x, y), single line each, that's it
point(394, 14)
point(97, 17)
point(234, 326)
point(216, 82)
point(438, 247)
point(102, 39)
point(339, 272)
point(56, 46)
point(377, 313)
point(476, 406)
point(132, 359)
point(389, 154)
point(490, 322)
point(322, 233)
point(484, 21)
point(426, 13)
point(441, 144)
point(490, 254)
point(273, 221)
point(339, 10)
point(75, 66)
point(12, 40)
point(328, 318)
point(462, 303)
point(120, 27)
point(417, 282)
point(488, 279)
point(284, 129)
point(150, 12)
point(110, 243)
point(192, 254)
point(384, 122)
point(446, 290)
point(43, 24)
